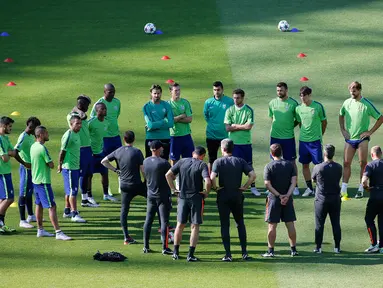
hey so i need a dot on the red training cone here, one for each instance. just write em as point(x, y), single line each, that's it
point(304, 79)
point(301, 55)
point(8, 60)
point(165, 57)
point(11, 84)
point(170, 81)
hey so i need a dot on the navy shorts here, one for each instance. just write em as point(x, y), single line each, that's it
point(71, 181)
point(310, 152)
point(111, 144)
point(44, 195)
point(86, 161)
point(181, 146)
point(289, 149)
point(355, 143)
point(245, 152)
point(6, 187)
point(276, 212)
point(97, 166)
point(26, 186)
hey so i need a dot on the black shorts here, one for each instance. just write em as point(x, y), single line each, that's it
point(192, 207)
point(165, 143)
point(213, 145)
point(276, 212)
point(134, 190)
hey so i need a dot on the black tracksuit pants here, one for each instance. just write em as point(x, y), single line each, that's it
point(330, 205)
point(374, 208)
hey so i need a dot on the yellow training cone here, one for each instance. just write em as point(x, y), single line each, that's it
point(15, 113)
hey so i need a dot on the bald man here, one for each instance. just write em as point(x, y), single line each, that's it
point(372, 181)
point(112, 140)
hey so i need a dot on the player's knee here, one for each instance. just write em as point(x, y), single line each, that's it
point(346, 164)
point(362, 163)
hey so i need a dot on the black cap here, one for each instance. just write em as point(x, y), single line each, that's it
point(84, 97)
point(155, 145)
point(329, 150)
point(199, 150)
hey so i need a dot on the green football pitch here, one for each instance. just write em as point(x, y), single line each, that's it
point(64, 48)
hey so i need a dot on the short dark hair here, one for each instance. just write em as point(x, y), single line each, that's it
point(171, 86)
point(227, 145)
point(84, 98)
point(129, 137)
point(276, 150)
point(99, 104)
point(39, 130)
point(356, 85)
point(218, 84)
point(329, 150)
point(282, 84)
point(155, 87)
point(305, 90)
point(5, 120)
point(199, 150)
point(74, 117)
point(34, 121)
point(239, 92)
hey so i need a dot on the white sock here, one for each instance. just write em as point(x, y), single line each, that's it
point(84, 196)
point(344, 187)
point(360, 189)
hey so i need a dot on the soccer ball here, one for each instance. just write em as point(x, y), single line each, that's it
point(283, 26)
point(149, 28)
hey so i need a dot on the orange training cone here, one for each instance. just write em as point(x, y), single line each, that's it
point(11, 84)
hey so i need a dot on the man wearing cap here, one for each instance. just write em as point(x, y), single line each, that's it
point(373, 182)
point(159, 119)
point(112, 141)
point(86, 172)
point(129, 161)
point(312, 120)
point(230, 196)
point(192, 172)
point(158, 200)
point(327, 177)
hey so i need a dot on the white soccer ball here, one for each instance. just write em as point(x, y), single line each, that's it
point(283, 26)
point(149, 28)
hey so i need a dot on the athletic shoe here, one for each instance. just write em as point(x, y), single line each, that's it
point(296, 191)
point(31, 218)
point(227, 259)
point(43, 233)
point(344, 196)
point(67, 215)
point(7, 229)
point(91, 200)
point(1, 230)
point(175, 256)
point(337, 250)
point(110, 198)
point(61, 236)
point(308, 192)
point(246, 257)
point(294, 253)
point(129, 240)
point(372, 249)
point(146, 250)
point(78, 219)
point(359, 195)
point(381, 250)
point(255, 191)
point(268, 254)
point(167, 251)
point(192, 259)
point(318, 250)
point(87, 203)
point(25, 224)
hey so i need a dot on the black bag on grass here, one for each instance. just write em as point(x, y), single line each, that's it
point(109, 256)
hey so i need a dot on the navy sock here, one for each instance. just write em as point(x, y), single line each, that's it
point(191, 251)
point(176, 249)
point(67, 211)
point(22, 207)
point(309, 184)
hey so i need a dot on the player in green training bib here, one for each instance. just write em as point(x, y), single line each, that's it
point(69, 166)
point(239, 120)
point(312, 122)
point(356, 112)
point(23, 147)
point(282, 114)
point(181, 142)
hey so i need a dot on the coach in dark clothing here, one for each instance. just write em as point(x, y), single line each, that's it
point(192, 172)
point(280, 180)
point(155, 169)
point(373, 173)
point(129, 165)
point(229, 169)
point(327, 176)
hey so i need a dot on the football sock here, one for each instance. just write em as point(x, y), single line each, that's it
point(29, 203)
point(344, 187)
point(177, 249)
point(309, 184)
point(90, 193)
point(67, 210)
point(22, 207)
point(191, 251)
point(293, 249)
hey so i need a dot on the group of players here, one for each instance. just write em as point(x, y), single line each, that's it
point(91, 145)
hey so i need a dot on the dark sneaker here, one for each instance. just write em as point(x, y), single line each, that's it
point(268, 254)
point(146, 250)
point(227, 259)
point(192, 259)
point(294, 253)
point(175, 256)
point(167, 251)
point(246, 257)
point(318, 250)
point(129, 240)
point(359, 195)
